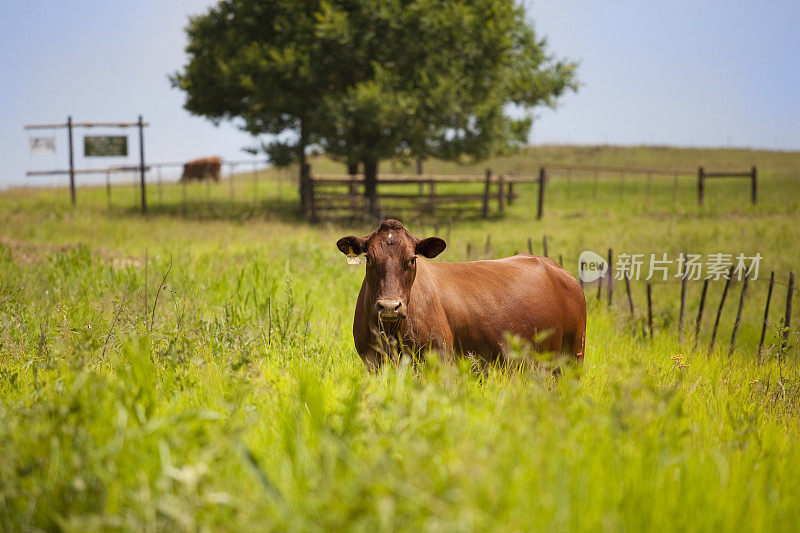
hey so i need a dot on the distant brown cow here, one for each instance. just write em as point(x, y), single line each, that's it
point(201, 169)
point(465, 307)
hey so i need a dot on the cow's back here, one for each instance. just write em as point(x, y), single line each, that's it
point(478, 302)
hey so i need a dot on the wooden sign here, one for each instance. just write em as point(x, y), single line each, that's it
point(105, 145)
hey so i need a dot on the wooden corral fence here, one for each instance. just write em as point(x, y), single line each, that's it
point(336, 195)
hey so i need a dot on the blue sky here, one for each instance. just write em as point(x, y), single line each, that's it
point(689, 73)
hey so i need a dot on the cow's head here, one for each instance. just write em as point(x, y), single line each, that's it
point(391, 256)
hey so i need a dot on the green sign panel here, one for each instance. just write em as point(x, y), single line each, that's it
point(105, 145)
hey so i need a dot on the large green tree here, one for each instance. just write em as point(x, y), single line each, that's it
point(373, 79)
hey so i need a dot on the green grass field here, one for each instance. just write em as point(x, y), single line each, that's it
point(194, 369)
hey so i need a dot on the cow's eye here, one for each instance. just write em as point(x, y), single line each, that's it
point(413, 261)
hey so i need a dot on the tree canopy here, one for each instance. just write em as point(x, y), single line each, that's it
point(373, 79)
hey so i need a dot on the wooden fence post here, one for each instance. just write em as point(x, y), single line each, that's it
point(766, 315)
point(599, 287)
point(754, 185)
point(510, 194)
point(432, 196)
point(628, 290)
point(71, 161)
point(787, 321)
point(700, 313)
point(353, 193)
point(700, 185)
point(610, 284)
point(530, 246)
point(311, 197)
point(650, 308)
point(142, 169)
point(485, 212)
point(683, 304)
point(719, 312)
point(305, 204)
point(310, 204)
point(544, 245)
point(542, 178)
point(501, 192)
point(738, 316)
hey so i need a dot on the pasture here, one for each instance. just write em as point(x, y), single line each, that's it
point(195, 370)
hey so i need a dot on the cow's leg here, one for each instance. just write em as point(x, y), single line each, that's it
point(574, 343)
point(372, 360)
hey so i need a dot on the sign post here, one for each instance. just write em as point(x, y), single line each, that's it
point(140, 124)
point(71, 161)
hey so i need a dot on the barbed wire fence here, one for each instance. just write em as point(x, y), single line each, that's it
point(603, 289)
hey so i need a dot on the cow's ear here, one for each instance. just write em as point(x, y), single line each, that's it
point(430, 247)
point(351, 244)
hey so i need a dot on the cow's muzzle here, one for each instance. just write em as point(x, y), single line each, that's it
point(390, 310)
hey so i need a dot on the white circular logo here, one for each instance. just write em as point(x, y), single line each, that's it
point(591, 266)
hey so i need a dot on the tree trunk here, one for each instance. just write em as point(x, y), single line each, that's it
point(352, 171)
point(419, 165)
point(371, 187)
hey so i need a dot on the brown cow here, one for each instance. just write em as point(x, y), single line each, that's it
point(201, 169)
point(463, 307)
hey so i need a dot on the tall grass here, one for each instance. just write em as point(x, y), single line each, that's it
point(235, 399)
